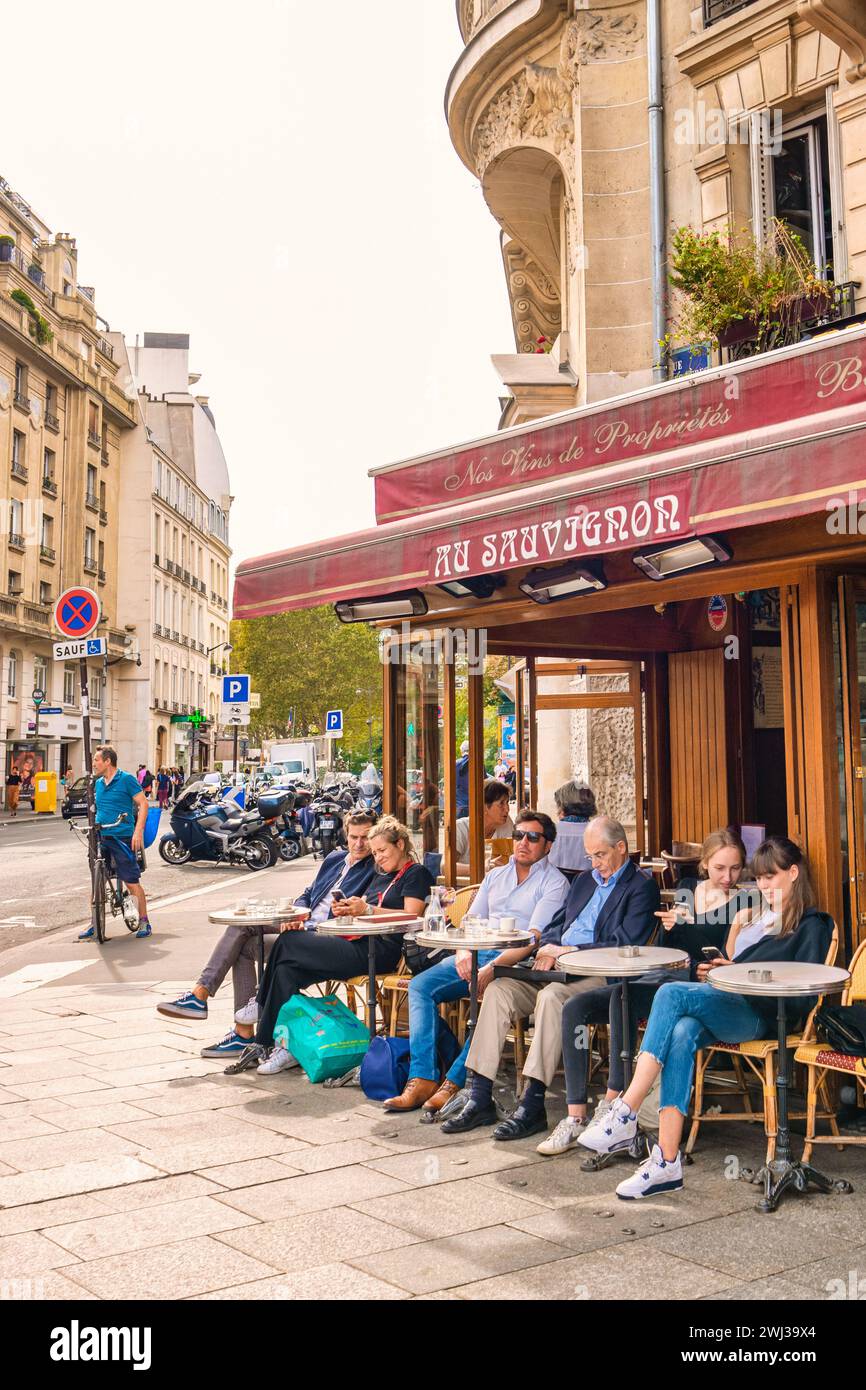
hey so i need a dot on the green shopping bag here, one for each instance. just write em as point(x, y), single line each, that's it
point(325, 1036)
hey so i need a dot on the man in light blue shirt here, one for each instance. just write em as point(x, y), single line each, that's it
point(527, 888)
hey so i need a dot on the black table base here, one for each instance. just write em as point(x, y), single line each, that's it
point(782, 1174)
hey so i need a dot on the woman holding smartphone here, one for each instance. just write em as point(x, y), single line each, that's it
point(701, 916)
point(786, 926)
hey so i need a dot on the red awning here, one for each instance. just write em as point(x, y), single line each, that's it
point(763, 468)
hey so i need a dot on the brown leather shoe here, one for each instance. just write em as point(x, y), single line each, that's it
point(414, 1094)
point(447, 1091)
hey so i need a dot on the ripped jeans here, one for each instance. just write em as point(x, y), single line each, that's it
point(683, 1019)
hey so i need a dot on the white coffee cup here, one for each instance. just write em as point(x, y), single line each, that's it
point(507, 925)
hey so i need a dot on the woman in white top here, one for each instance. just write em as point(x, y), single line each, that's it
point(575, 806)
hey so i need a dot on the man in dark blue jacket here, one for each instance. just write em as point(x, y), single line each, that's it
point(611, 904)
point(346, 871)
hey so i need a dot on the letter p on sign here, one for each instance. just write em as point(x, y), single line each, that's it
point(236, 690)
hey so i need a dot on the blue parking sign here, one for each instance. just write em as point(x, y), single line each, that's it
point(236, 690)
point(334, 721)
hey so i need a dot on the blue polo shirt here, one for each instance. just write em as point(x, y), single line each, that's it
point(115, 798)
point(582, 929)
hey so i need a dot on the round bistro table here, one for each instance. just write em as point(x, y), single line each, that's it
point(230, 917)
point(488, 941)
point(789, 980)
point(609, 962)
point(371, 927)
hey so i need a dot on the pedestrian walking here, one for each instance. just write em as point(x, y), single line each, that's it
point(147, 782)
point(163, 787)
point(13, 790)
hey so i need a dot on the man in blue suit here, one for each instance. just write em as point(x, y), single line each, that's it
point(344, 871)
point(611, 904)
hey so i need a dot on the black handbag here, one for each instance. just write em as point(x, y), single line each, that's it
point(844, 1027)
point(420, 958)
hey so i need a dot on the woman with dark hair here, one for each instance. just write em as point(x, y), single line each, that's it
point(702, 915)
point(784, 926)
point(575, 808)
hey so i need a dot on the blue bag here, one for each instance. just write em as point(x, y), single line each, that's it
point(151, 825)
point(385, 1069)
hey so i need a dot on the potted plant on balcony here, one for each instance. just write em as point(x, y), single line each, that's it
point(736, 292)
point(7, 246)
point(40, 328)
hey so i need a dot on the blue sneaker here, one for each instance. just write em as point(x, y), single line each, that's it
point(229, 1046)
point(89, 935)
point(187, 1006)
point(144, 930)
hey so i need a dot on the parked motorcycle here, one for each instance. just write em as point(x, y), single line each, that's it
point(369, 794)
point(327, 811)
point(205, 829)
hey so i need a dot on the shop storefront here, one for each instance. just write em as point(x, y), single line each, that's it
point(678, 578)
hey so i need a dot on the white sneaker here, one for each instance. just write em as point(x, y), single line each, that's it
point(249, 1013)
point(614, 1130)
point(602, 1108)
point(563, 1138)
point(280, 1060)
point(655, 1175)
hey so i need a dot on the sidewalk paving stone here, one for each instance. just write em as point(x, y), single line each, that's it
point(40, 1216)
point(316, 1159)
point(335, 1282)
point(732, 1243)
point(336, 1187)
point(317, 1238)
point(628, 1272)
point(155, 1191)
point(450, 1163)
point(56, 1150)
point(44, 1183)
point(29, 1253)
point(60, 1086)
point(459, 1259)
point(250, 1173)
point(145, 1227)
point(178, 1270)
point(449, 1209)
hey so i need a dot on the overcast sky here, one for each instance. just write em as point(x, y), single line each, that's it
point(276, 179)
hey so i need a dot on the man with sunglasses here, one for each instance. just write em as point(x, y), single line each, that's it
point(527, 888)
point(611, 904)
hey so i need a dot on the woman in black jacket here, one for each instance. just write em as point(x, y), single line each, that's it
point(689, 1016)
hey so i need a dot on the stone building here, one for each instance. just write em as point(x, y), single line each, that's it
point(759, 109)
point(63, 416)
point(174, 537)
point(595, 130)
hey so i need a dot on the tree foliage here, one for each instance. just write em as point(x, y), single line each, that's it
point(304, 663)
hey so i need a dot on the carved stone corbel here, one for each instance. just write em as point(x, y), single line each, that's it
point(843, 21)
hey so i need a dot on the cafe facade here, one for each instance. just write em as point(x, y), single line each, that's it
point(685, 565)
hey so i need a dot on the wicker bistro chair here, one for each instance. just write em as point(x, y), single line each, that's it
point(759, 1057)
point(822, 1063)
point(394, 988)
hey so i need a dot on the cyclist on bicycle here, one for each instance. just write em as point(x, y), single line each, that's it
point(118, 794)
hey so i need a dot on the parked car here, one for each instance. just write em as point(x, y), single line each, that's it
point(75, 801)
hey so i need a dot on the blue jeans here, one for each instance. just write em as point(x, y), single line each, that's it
point(683, 1019)
point(439, 985)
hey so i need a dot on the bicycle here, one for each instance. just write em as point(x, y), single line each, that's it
point(104, 892)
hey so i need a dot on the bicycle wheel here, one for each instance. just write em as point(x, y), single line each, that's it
point(97, 901)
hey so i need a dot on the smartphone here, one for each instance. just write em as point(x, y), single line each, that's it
point(338, 895)
point(712, 953)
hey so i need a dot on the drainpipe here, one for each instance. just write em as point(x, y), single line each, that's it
point(657, 186)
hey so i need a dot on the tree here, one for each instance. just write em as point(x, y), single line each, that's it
point(304, 663)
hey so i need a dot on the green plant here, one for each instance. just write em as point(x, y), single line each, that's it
point(40, 328)
point(723, 281)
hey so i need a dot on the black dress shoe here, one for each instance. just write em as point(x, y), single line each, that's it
point(521, 1124)
point(472, 1116)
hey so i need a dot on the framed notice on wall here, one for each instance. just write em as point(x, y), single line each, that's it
point(767, 703)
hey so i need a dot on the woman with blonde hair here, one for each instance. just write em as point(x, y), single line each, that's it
point(686, 1017)
point(301, 958)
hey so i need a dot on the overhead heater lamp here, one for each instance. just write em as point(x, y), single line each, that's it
point(683, 557)
point(409, 604)
point(564, 581)
point(478, 586)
